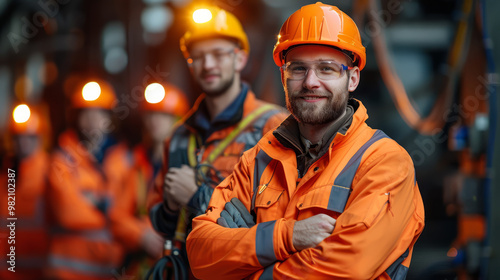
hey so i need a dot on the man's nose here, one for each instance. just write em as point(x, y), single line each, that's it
point(311, 81)
point(209, 61)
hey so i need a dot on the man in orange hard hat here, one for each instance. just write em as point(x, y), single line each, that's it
point(87, 172)
point(163, 105)
point(226, 120)
point(324, 196)
point(25, 169)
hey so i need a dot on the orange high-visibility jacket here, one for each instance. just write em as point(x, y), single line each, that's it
point(80, 193)
point(378, 227)
point(226, 161)
point(30, 236)
point(130, 217)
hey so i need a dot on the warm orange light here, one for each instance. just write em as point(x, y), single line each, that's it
point(154, 93)
point(202, 15)
point(21, 113)
point(91, 91)
point(452, 252)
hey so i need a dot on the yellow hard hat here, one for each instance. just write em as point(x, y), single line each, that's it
point(213, 22)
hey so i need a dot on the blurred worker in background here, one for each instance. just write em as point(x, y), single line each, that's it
point(87, 170)
point(163, 106)
point(24, 172)
point(324, 196)
point(225, 121)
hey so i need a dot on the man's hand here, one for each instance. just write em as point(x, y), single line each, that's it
point(310, 232)
point(179, 185)
point(235, 215)
point(152, 243)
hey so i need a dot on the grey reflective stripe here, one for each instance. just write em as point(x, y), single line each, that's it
point(338, 198)
point(250, 137)
point(61, 262)
point(397, 271)
point(341, 188)
point(264, 243)
point(262, 160)
point(268, 273)
point(102, 235)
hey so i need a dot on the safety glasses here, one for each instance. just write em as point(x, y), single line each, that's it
point(218, 55)
point(324, 69)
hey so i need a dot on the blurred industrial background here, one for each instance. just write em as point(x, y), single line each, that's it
point(430, 83)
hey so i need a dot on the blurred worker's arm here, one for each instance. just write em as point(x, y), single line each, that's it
point(69, 208)
point(133, 232)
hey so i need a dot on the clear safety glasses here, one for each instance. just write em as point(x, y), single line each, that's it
point(324, 69)
point(217, 55)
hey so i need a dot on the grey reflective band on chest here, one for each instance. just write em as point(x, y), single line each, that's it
point(264, 243)
point(262, 160)
point(341, 188)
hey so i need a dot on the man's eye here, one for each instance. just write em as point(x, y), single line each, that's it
point(218, 54)
point(196, 57)
point(297, 68)
point(327, 69)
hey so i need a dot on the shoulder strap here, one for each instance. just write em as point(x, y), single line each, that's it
point(341, 189)
point(242, 125)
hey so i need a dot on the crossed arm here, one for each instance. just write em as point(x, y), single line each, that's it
point(374, 231)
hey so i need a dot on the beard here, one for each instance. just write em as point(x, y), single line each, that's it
point(317, 114)
point(220, 89)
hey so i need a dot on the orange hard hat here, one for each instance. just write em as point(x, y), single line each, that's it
point(94, 94)
point(165, 98)
point(26, 121)
point(213, 22)
point(320, 24)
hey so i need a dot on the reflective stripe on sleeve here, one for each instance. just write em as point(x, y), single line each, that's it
point(264, 243)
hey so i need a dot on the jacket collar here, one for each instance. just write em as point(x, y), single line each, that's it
point(288, 134)
point(344, 134)
point(231, 115)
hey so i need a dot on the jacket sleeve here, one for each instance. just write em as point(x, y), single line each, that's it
point(127, 228)
point(216, 252)
point(383, 218)
point(68, 207)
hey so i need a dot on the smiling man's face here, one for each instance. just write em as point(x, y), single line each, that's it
point(312, 100)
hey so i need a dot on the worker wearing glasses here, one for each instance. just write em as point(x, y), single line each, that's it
point(226, 120)
point(323, 196)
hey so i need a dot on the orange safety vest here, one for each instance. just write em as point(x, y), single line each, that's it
point(185, 146)
point(31, 237)
point(80, 194)
point(365, 181)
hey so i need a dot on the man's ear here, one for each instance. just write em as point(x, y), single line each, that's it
point(353, 79)
point(241, 60)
